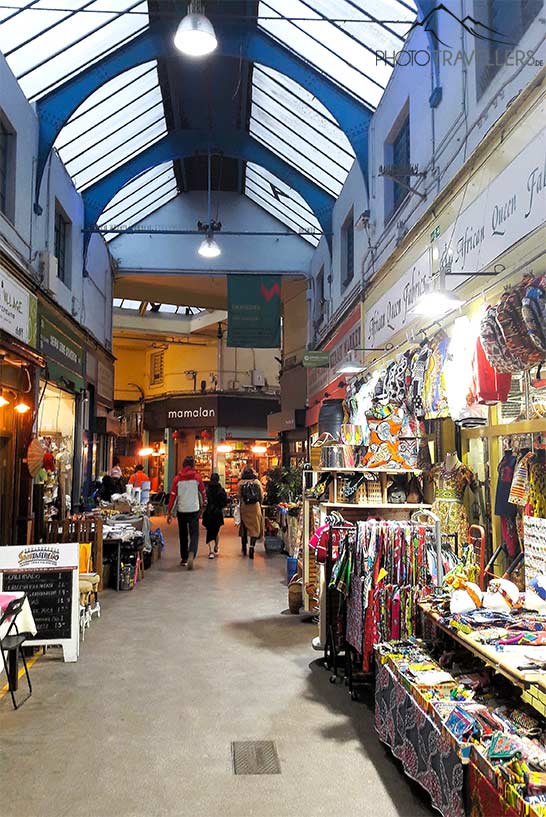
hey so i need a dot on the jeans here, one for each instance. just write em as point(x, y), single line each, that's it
point(188, 521)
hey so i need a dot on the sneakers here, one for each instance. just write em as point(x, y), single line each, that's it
point(183, 563)
point(191, 557)
point(211, 555)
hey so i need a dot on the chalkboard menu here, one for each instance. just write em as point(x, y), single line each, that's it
point(50, 597)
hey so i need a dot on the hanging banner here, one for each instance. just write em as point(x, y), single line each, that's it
point(254, 311)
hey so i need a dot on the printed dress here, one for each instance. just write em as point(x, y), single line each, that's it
point(450, 487)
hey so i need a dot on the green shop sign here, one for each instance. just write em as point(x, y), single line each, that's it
point(254, 311)
point(64, 355)
point(316, 360)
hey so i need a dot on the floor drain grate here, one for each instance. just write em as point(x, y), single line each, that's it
point(255, 757)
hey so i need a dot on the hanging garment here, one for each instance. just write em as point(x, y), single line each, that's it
point(384, 423)
point(519, 490)
point(537, 489)
point(418, 367)
point(450, 487)
point(435, 388)
point(503, 507)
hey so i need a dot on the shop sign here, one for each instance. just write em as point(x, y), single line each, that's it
point(105, 381)
point(511, 207)
point(392, 312)
point(316, 360)
point(181, 412)
point(254, 311)
point(58, 347)
point(18, 308)
point(346, 339)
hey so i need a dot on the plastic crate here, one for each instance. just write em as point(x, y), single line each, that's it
point(273, 544)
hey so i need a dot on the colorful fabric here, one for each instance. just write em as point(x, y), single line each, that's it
point(519, 490)
point(450, 487)
point(428, 756)
point(384, 423)
point(435, 385)
point(537, 489)
point(505, 476)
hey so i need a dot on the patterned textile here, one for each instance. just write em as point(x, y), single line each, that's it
point(435, 387)
point(427, 755)
point(519, 492)
point(537, 489)
point(384, 423)
point(355, 614)
point(483, 798)
point(450, 487)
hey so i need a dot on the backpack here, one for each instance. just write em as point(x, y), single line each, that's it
point(498, 356)
point(533, 306)
point(250, 493)
point(514, 329)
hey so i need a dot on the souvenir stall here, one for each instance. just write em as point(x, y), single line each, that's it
point(427, 515)
point(56, 424)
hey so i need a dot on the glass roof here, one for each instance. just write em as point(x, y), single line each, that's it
point(281, 201)
point(47, 41)
point(173, 309)
point(340, 37)
point(115, 123)
point(294, 125)
point(140, 197)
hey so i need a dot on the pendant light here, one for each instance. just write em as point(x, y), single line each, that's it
point(209, 248)
point(195, 36)
point(21, 407)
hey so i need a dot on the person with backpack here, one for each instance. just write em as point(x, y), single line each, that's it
point(250, 504)
point(187, 499)
point(213, 516)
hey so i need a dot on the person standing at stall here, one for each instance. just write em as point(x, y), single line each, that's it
point(187, 499)
point(250, 504)
point(213, 515)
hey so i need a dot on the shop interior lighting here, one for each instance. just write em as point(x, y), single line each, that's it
point(146, 452)
point(224, 448)
point(21, 406)
point(259, 449)
point(158, 452)
point(195, 35)
point(3, 401)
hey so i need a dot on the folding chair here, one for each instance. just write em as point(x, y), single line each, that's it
point(11, 644)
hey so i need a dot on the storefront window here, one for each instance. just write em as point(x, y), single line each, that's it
point(56, 417)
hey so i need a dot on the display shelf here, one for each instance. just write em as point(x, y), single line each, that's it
point(357, 470)
point(393, 505)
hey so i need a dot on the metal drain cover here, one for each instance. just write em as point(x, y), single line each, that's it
point(255, 757)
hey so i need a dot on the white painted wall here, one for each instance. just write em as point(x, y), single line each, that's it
point(441, 139)
point(26, 234)
point(239, 253)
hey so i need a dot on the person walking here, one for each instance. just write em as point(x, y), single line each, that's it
point(138, 476)
point(213, 515)
point(187, 498)
point(250, 505)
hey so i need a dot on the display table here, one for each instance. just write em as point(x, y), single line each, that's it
point(427, 751)
point(25, 624)
point(506, 661)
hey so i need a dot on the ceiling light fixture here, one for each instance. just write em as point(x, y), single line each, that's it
point(195, 35)
point(351, 364)
point(259, 449)
point(224, 448)
point(435, 303)
point(146, 452)
point(209, 248)
point(3, 401)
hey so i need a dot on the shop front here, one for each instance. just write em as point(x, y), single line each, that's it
point(20, 367)
point(101, 427)
point(222, 433)
point(432, 497)
point(60, 415)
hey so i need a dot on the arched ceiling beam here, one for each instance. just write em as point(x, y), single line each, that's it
point(182, 144)
point(55, 109)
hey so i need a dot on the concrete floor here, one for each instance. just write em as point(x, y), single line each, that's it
point(172, 673)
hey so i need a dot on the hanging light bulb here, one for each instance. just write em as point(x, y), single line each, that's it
point(209, 248)
point(195, 34)
point(21, 407)
point(3, 401)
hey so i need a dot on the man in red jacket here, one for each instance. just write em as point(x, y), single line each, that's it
point(188, 498)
